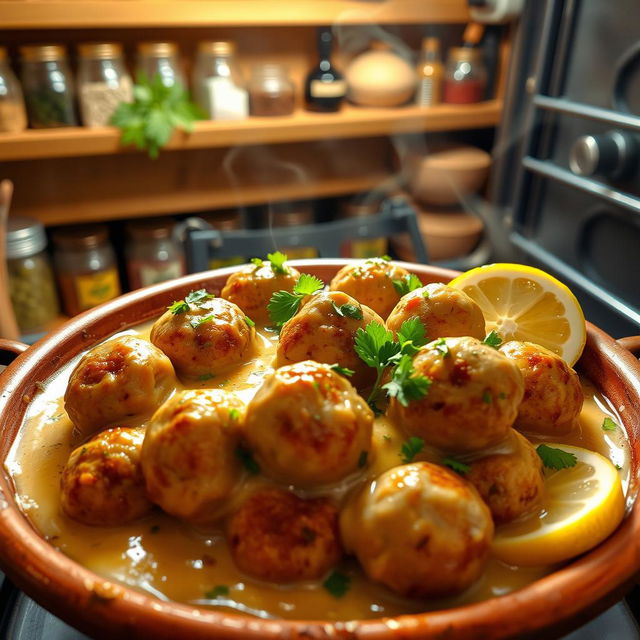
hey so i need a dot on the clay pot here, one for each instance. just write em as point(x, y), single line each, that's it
point(556, 603)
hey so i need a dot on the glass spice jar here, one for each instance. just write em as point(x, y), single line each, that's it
point(48, 86)
point(103, 82)
point(465, 76)
point(161, 58)
point(152, 255)
point(31, 284)
point(225, 220)
point(13, 116)
point(291, 214)
point(271, 91)
point(85, 267)
point(361, 206)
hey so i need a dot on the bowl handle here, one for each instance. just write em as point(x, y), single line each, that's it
point(10, 350)
point(632, 343)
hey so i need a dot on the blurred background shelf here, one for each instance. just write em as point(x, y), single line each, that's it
point(27, 14)
point(351, 122)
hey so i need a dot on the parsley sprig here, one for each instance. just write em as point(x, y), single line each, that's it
point(278, 260)
point(348, 310)
point(405, 386)
point(196, 298)
point(343, 371)
point(408, 283)
point(493, 339)
point(284, 305)
point(609, 425)
point(556, 458)
point(457, 466)
point(337, 584)
point(411, 448)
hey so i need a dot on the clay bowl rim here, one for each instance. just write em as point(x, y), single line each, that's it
point(557, 602)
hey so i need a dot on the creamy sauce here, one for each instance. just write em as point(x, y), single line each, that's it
point(171, 560)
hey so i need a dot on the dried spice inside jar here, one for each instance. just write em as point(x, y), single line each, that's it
point(13, 117)
point(271, 92)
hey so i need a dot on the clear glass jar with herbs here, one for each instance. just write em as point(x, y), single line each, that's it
point(48, 86)
point(161, 58)
point(271, 90)
point(13, 116)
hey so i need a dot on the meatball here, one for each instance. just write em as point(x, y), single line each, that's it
point(205, 338)
point(444, 311)
point(511, 483)
point(320, 332)
point(119, 379)
point(371, 283)
point(279, 537)
point(552, 392)
point(102, 482)
point(251, 288)
point(308, 426)
point(189, 456)
point(473, 398)
point(419, 529)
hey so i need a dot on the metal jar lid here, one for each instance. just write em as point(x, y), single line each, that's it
point(81, 238)
point(25, 237)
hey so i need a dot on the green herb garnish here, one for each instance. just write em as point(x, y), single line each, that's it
point(493, 340)
point(277, 260)
point(487, 398)
point(284, 305)
point(456, 465)
point(348, 310)
point(198, 297)
point(337, 584)
point(408, 283)
point(556, 458)
point(441, 346)
point(257, 262)
point(206, 376)
point(234, 413)
point(196, 321)
point(386, 258)
point(249, 321)
point(179, 306)
point(343, 371)
point(412, 336)
point(217, 592)
point(411, 448)
point(246, 458)
point(362, 459)
point(609, 425)
point(404, 385)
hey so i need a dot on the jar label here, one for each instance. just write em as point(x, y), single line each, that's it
point(335, 89)
point(160, 272)
point(369, 248)
point(218, 263)
point(96, 288)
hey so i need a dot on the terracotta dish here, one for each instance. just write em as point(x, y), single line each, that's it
point(556, 603)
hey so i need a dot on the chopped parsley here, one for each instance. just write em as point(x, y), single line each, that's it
point(257, 262)
point(179, 306)
point(196, 321)
point(412, 336)
point(195, 298)
point(337, 584)
point(249, 321)
point(609, 425)
point(343, 371)
point(386, 258)
point(411, 448)
point(618, 466)
point(456, 465)
point(362, 460)
point(441, 346)
point(405, 386)
point(217, 592)
point(246, 458)
point(386, 438)
point(493, 340)
point(555, 458)
point(348, 310)
point(205, 376)
point(234, 413)
point(277, 260)
point(426, 294)
point(487, 398)
point(408, 283)
point(284, 305)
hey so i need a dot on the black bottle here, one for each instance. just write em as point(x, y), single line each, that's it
point(325, 88)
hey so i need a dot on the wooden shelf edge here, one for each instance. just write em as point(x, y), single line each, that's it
point(43, 14)
point(303, 126)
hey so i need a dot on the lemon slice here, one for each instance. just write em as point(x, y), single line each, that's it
point(582, 506)
point(525, 303)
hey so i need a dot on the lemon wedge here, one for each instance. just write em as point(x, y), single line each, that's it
point(524, 303)
point(583, 505)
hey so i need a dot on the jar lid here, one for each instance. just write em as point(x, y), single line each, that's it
point(25, 237)
point(43, 52)
point(289, 214)
point(85, 237)
point(157, 49)
point(225, 220)
point(100, 50)
point(364, 204)
point(465, 53)
point(218, 47)
point(153, 229)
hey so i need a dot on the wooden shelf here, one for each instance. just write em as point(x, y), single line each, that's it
point(49, 14)
point(351, 122)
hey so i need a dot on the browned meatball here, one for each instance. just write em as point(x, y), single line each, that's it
point(206, 338)
point(308, 426)
point(444, 311)
point(251, 288)
point(279, 537)
point(371, 283)
point(189, 453)
point(319, 332)
point(419, 529)
point(102, 483)
point(511, 483)
point(473, 399)
point(552, 392)
point(122, 378)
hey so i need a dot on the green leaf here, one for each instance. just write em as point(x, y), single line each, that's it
point(556, 458)
point(307, 285)
point(374, 344)
point(142, 93)
point(257, 262)
point(179, 306)
point(217, 592)
point(405, 386)
point(456, 465)
point(198, 297)
point(234, 413)
point(408, 283)
point(348, 310)
point(337, 584)
point(411, 448)
point(441, 346)
point(609, 425)
point(343, 371)
point(196, 321)
point(283, 306)
point(493, 340)
point(246, 458)
point(413, 331)
point(277, 260)
point(362, 459)
point(206, 376)
point(249, 321)
point(386, 258)
point(487, 397)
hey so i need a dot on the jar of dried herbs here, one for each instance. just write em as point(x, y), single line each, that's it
point(103, 82)
point(48, 86)
point(161, 58)
point(13, 117)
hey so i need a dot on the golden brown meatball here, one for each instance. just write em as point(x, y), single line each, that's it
point(251, 288)
point(308, 426)
point(511, 483)
point(419, 529)
point(370, 282)
point(189, 456)
point(444, 311)
point(206, 338)
point(552, 392)
point(102, 483)
point(119, 379)
point(279, 537)
point(319, 332)
point(473, 399)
